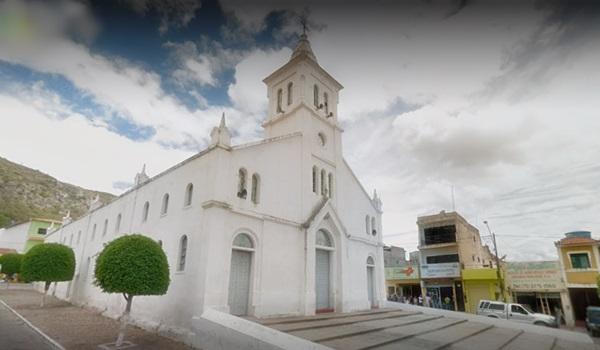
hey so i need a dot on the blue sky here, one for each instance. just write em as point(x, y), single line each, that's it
point(497, 100)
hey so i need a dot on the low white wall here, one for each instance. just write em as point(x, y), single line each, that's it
point(558, 333)
point(215, 330)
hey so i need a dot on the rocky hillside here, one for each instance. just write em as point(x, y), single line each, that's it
point(27, 193)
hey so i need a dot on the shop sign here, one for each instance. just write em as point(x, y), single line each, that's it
point(534, 276)
point(401, 273)
point(440, 270)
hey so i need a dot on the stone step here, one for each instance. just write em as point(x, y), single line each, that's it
point(389, 335)
point(327, 333)
point(328, 316)
point(288, 327)
point(492, 339)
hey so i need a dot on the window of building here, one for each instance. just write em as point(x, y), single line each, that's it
point(315, 173)
point(145, 212)
point(255, 188)
point(94, 232)
point(182, 253)
point(373, 226)
point(279, 100)
point(580, 261)
point(242, 192)
point(42, 231)
point(368, 224)
point(370, 261)
point(323, 182)
point(118, 224)
point(322, 139)
point(330, 185)
point(326, 103)
point(441, 259)
point(243, 241)
point(440, 234)
point(290, 96)
point(316, 96)
point(105, 227)
point(189, 191)
point(323, 239)
point(165, 204)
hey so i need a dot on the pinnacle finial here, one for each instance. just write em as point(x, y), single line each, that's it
point(304, 24)
point(222, 124)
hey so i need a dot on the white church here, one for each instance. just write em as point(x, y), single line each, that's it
point(278, 227)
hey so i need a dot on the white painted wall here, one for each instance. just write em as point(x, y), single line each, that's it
point(14, 237)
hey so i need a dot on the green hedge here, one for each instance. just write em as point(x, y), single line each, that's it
point(48, 262)
point(134, 265)
point(11, 263)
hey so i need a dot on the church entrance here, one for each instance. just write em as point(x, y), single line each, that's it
point(239, 275)
point(370, 282)
point(323, 254)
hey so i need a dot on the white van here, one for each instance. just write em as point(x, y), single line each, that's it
point(514, 312)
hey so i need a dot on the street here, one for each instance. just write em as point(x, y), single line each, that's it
point(16, 335)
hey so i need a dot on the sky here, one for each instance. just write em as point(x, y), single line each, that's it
point(486, 107)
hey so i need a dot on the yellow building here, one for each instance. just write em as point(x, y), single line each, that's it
point(479, 284)
point(579, 262)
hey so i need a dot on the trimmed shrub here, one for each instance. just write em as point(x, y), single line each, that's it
point(48, 262)
point(132, 265)
point(10, 265)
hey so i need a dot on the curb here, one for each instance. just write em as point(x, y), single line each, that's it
point(35, 329)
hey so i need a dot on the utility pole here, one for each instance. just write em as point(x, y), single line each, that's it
point(498, 273)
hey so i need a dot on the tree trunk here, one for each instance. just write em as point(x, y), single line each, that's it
point(124, 320)
point(46, 287)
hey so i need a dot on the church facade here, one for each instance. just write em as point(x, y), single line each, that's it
point(278, 227)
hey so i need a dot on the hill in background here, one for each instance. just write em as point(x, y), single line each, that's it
point(27, 193)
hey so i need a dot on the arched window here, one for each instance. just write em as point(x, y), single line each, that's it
point(71, 240)
point(118, 224)
point(323, 182)
point(105, 228)
point(145, 211)
point(182, 253)
point(290, 96)
point(242, 192)
point(322, 139)
point(165, 204)
point(78, 237)
point(279, 100)
point(316, 95)
point(243, 241)
point(93, 232)
point(368, 224)
point(255, 188)
point(323, 239)
point(330, 185)
point(326, 103)
point(315, 181)
point(189, 191)
point(370, 261)
point(373, 226)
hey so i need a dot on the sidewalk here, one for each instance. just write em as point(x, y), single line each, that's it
point(77, 328)
point(16, 335)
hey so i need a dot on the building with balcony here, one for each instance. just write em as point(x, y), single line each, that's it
point(579, 259)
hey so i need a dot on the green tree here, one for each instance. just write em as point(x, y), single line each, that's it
point(132, 265)
point(48, 262)
point(10, 264)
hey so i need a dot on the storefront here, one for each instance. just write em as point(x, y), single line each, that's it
point(442, 283)
point(539, 285)
point(402, 282)
point(479, 284)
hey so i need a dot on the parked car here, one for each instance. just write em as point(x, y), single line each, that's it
point(592, 320)
point(514, 312)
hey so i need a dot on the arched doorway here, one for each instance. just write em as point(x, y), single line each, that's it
point(323, 292)
point(370, 281)
point(239, 275)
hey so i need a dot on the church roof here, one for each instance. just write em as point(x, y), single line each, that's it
point(303, 49)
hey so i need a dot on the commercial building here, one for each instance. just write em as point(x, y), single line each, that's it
point(539, 284)
point(402, 276)
point(276, 227)
point(457, 270)
point(579, 259)
point(21, 237)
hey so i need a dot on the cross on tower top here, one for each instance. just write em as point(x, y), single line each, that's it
point(304, 24)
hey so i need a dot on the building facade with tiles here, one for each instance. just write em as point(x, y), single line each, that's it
point(277, 227)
